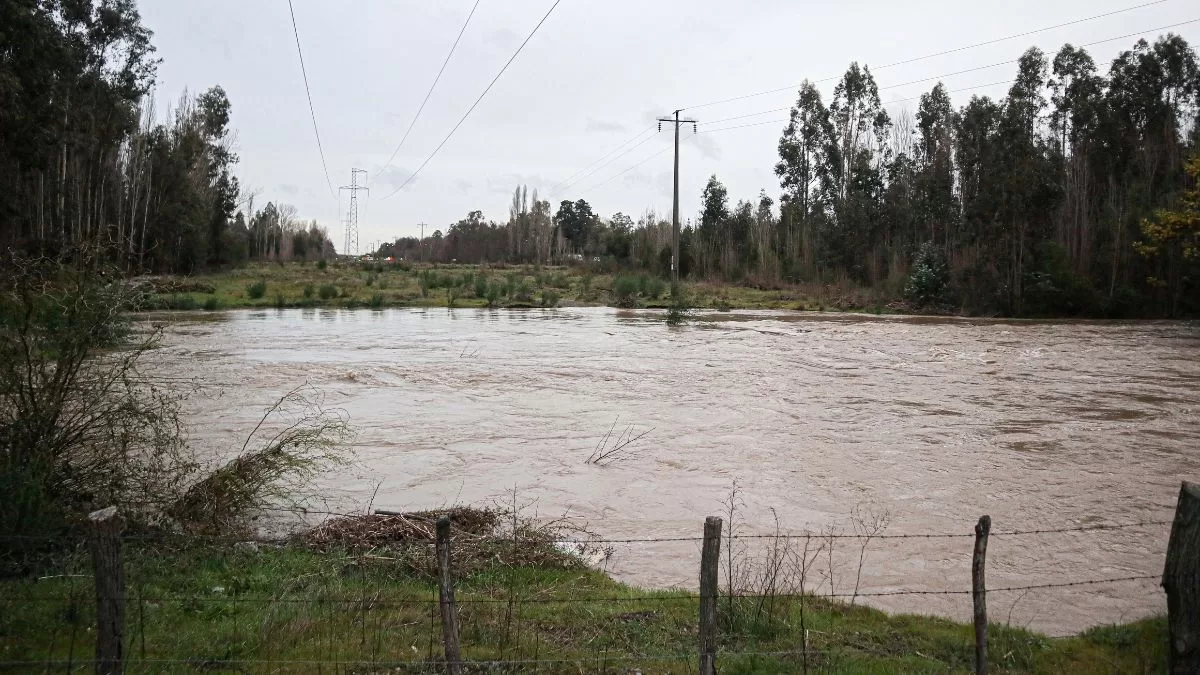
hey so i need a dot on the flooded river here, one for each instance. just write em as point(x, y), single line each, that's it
point(1041, 425)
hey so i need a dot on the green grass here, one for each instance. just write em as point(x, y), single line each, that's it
point(212, 606)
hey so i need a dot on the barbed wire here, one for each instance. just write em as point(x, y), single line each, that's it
point(425, 663)
point(373, 600)
point(162, 536)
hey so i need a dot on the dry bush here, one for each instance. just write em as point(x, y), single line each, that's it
point(306, 438)
point(788, 570)
point(483, 538)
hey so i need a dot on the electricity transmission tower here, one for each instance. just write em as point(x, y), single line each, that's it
point(675, 206)
point(352, 215)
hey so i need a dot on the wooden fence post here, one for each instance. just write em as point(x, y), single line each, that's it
point(105, 541)
point(979, 593)
point(710, 557)
point(1181, 581)
point(446, 598)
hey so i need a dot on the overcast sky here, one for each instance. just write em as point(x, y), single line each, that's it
point(596, 74)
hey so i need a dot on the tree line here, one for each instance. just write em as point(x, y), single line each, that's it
point(85, 161)
point(1060, 198)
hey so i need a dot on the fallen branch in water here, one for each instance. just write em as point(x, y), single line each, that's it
point(604, 453)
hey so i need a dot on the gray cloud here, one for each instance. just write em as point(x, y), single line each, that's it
point(501, 37)
point(394, 177)
point(597, 125)
point(707, 145)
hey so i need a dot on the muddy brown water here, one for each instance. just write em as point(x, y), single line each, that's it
point(935, 422)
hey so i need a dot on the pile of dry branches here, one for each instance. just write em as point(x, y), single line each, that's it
point(482, 538)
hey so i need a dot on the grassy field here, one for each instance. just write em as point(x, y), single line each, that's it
point(379, 285)
point(210, 608)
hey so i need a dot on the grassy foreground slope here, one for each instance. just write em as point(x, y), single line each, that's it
point(295, 609)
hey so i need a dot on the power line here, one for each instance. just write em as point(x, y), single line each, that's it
point(938, 77)
point(788, 119)
point(941, 53)
point(476, 103)
point(625, 171)
point(431, 88)
point(308, 92)
point(891, 86)
point(1011, 61)
point(572, 178)
point(568, 184)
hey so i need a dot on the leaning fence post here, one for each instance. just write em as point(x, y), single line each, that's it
point(1181, 581)
point(710, 556)
point(105, 542)
point(979, 593)
point(446, 598)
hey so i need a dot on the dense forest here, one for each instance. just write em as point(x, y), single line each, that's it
point(1068, 196)
point(85, 161)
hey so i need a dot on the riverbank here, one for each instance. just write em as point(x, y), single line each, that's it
point(364, 605)
point(380, 285)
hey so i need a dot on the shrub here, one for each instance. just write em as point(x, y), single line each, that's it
point(929, 281)
point(521, 291)
point(370, 279)
point(680, 310)
point(653, 287)
point(321, 265)
point(78, 431)
point(308, 291)
point(481, 286)
point(451, 296)
point(280, 301)
point(494, 293)
point(624, 289)
point(211, 303)
point(1051, 287)
point(257, 289)
point(327, 291)
point(180, 302)
point(376, 301)
point(549, 298)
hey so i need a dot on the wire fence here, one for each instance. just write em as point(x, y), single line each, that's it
point(272, 603)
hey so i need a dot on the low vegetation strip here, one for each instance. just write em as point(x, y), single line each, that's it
point(376, 285)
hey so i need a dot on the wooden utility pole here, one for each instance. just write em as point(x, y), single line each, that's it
point(1181, 581)
point(675, 203)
